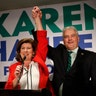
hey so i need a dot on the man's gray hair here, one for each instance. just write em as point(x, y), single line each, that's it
point(70, 27)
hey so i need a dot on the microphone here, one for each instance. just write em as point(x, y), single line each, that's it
point(23, 60)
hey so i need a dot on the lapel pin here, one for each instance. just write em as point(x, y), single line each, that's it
point(82, 53)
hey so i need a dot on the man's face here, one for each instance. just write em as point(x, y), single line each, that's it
point(71, 39)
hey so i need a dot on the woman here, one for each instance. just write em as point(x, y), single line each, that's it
point(30, 72)
point(34, 61)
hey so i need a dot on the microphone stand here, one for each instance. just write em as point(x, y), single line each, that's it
point(23, 63)
point(22, 67)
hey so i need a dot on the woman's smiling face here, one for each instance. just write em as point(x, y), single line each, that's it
point(26, 50)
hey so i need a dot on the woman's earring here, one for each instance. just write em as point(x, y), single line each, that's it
point(33, 55)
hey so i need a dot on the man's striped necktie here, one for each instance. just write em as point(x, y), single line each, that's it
point(69, 61)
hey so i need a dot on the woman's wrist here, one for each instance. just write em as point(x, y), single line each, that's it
point(38, 24)
point(16, 82)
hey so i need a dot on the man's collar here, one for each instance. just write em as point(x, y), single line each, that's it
point(75, 50)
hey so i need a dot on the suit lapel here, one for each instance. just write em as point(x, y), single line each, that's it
point(65, 60)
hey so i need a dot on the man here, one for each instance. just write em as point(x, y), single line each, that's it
point(80, 78)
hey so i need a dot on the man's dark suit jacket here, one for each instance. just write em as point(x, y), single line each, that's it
point(81, 79)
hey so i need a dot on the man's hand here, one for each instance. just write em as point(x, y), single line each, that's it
point(37, 16)
point(36, 12)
